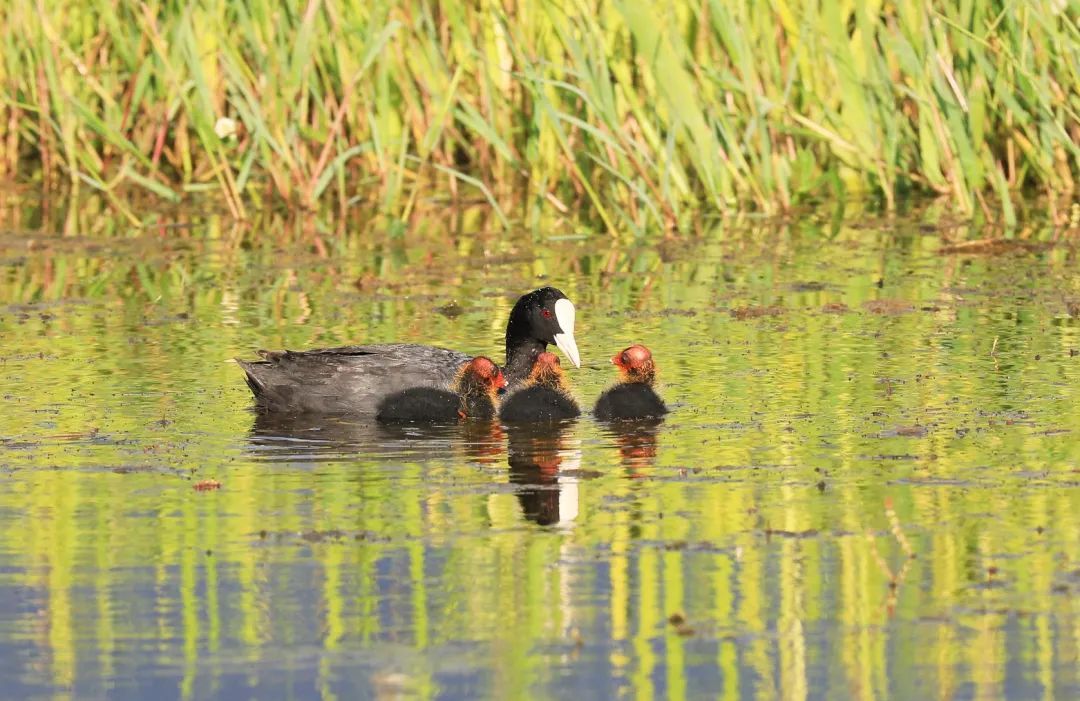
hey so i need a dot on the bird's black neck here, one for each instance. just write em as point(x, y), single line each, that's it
point(520, 353)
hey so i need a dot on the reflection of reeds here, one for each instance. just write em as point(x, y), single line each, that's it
point(762, 605)
point(632, 112)
point(895, 579)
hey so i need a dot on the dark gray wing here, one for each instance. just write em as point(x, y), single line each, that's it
point(349, 379)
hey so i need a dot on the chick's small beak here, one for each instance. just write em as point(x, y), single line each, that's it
point(500, 381)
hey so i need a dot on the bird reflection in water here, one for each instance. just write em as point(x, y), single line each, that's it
point(545, 467)
point(277, 436)
point(636, 441)
point(544, 458)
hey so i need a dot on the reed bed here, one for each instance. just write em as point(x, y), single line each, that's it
point(631, 114)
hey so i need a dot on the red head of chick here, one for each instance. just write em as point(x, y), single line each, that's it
point(635, 364)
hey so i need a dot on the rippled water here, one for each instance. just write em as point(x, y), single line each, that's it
point(869, 486)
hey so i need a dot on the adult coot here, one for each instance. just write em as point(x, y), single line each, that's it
point(355, 379)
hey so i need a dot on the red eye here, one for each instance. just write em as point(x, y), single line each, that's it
point(546, 313)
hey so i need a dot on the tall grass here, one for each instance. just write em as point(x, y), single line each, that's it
point(631, 113)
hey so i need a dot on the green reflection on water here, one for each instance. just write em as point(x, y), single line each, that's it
point(753, 545)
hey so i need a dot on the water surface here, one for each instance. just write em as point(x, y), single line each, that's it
point(869, 486)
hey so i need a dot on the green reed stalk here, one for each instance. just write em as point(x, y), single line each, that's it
point(630, 114)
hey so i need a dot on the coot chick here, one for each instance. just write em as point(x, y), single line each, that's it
point(543, 397)
point(355, 379)
point(473, 396)
point(633, 397)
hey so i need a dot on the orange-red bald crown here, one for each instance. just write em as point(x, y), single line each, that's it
point(486, 372)
point(547, 359)
point(635, 364)
point(546, 370)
